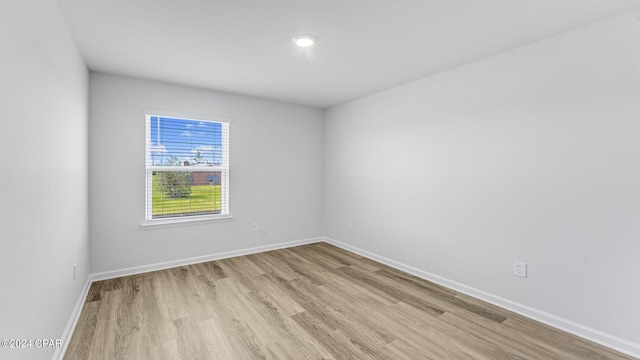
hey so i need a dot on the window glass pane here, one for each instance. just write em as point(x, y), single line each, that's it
point(184, 193)
point(180, 142)
point(187, 167)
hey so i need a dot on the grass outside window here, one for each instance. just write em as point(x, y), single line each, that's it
point(203, 200)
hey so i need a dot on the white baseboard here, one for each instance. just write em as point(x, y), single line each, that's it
point(199, 259)
point(73, 320)
point(585, 332)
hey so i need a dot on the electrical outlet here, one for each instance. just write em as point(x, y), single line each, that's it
point(520, 269)
point(349, 225)
point(256, 227)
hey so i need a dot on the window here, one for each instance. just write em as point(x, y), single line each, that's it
point(187, 169)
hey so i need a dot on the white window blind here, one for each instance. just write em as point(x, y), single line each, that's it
point(187, 168)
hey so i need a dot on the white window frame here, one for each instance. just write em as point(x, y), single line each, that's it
point(223, 168)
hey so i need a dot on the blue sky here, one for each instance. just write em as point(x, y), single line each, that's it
point(184, 139)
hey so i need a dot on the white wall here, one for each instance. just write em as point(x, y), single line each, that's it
point(275, 174)
point(531, 155)
point(43, 174)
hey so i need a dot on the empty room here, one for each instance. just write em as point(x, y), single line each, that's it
point(281, 179)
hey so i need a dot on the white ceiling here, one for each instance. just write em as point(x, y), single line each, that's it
point(365, 46)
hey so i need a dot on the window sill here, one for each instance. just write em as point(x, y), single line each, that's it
point(161, 224)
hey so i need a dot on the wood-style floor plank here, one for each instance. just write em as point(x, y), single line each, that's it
point(308, 302)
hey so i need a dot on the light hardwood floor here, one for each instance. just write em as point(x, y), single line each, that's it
point(308, 302)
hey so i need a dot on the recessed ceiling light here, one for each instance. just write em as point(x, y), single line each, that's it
point(304, 40)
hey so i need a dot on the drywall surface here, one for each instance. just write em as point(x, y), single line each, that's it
point(531, 155)
point(43, 176)
point(275, 173)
